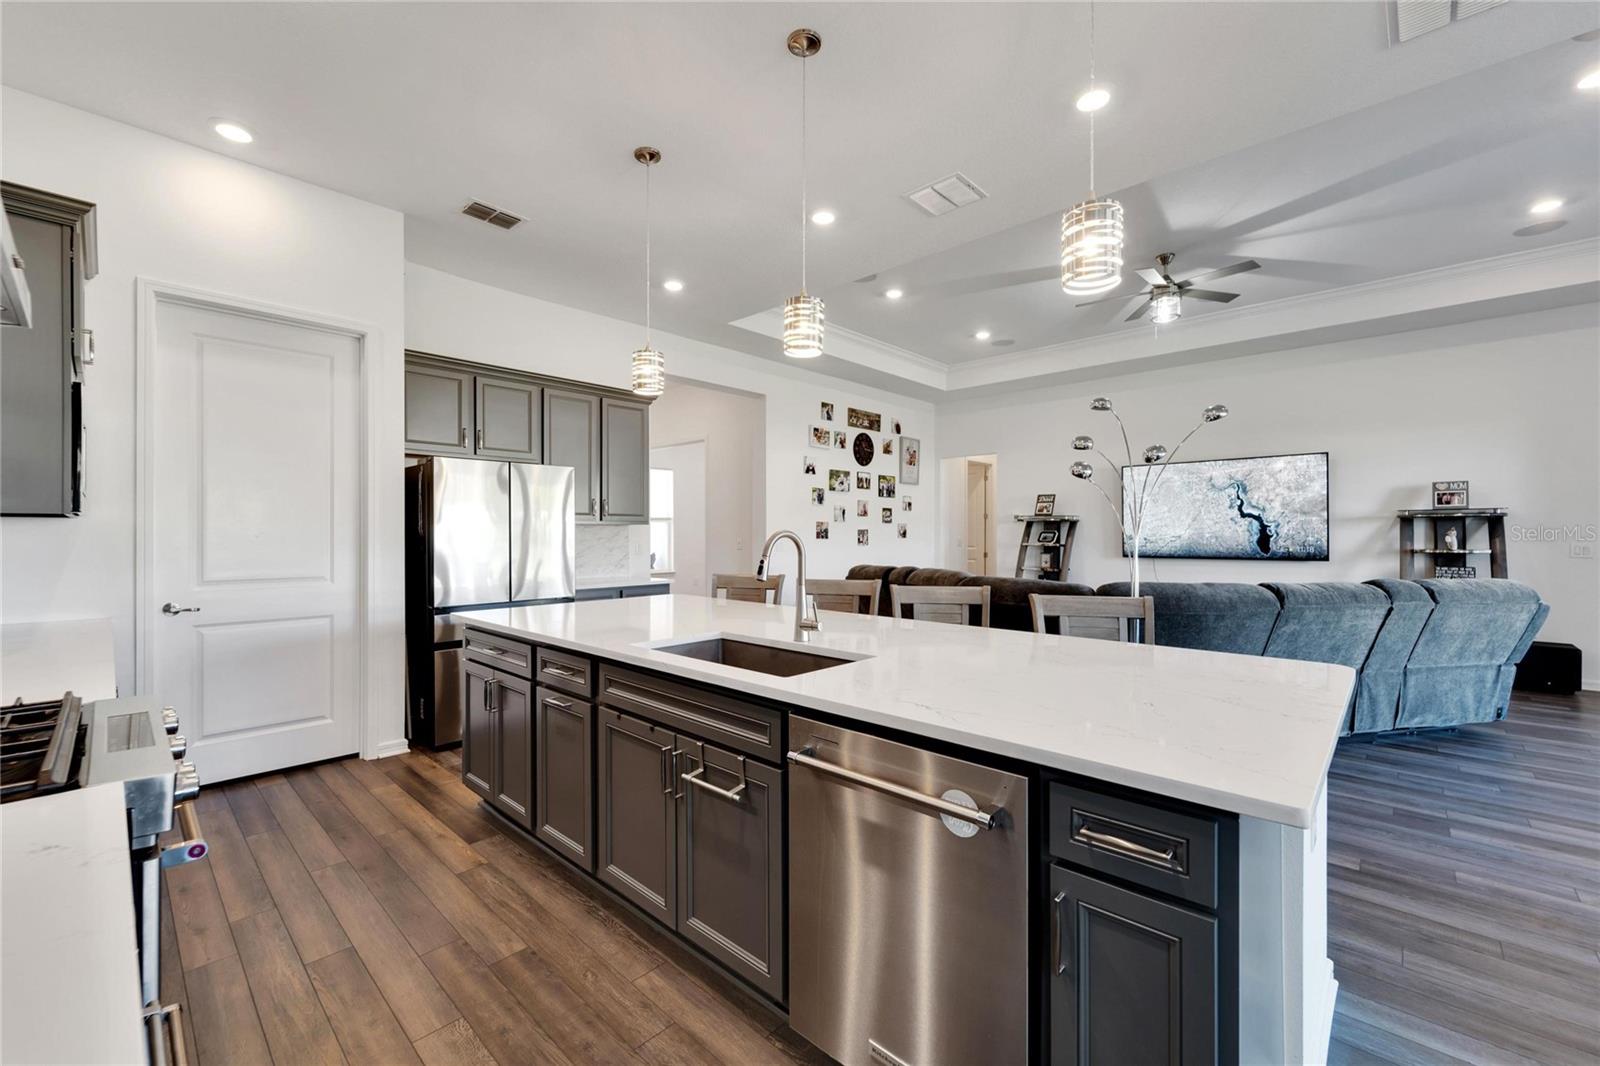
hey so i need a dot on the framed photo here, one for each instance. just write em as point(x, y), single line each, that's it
point(821, 437)
point(861, 536)
point(864, 419)
point(827, 411)
point(1044, 503)
point(886, 486)
point(838, 512)
point(811, 468)
point(1443, 572)
point(817, 497)
point(839, 440)
point(888, 446)
point(888, 515)
point(1049, 536)
point(897, 430)
point(910, 461)
point(1449, 494)
point(822, 531)
point(901, 530)
point(861, 508)
point(838, 481)
point(905, 503)
point(864, 481)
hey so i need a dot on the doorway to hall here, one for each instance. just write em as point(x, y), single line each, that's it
point(968, 513)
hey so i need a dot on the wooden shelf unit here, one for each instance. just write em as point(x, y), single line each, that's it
point(1058, 555)
point(1492, 520)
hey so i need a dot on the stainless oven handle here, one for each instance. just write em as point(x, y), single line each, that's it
point(1120, 846)
point(165, 1029)
point(63, 741)
point(981, 819)
point(193, 846)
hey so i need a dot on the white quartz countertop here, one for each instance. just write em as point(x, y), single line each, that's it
point(69, 959)
point(1236, 732)
point(43, 660)
point(620, 582)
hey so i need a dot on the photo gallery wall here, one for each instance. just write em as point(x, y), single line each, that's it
point(857, 469)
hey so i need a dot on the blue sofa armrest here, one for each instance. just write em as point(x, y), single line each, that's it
point(1378, 690)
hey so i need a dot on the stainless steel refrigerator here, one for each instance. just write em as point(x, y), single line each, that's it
point(479, 534)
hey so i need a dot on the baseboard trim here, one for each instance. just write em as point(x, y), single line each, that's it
point(1591, 684)
point(398, 746)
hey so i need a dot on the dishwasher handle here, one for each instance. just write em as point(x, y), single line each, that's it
point(981, 819)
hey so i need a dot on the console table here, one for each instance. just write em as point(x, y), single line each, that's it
point(1439, 519)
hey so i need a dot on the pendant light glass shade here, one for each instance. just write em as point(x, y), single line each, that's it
point(649, 372)
point(802, 327)
point(1091, 247)
point(1166, 305)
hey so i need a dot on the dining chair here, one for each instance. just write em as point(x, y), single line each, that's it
point(747, 588)
point(941, 603)
point(1095, 617)
point(849, 595)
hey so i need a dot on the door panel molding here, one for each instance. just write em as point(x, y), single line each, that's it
point(151, 295)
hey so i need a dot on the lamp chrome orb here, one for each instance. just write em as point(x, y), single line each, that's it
point(1082, 471)
point(1099, 403)
point(1082, 444)
point(1155, 453)
point(1215, 413)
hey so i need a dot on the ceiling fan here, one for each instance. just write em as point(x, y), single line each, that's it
point(1163, 300)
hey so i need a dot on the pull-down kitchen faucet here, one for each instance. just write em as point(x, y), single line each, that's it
point(805, 611)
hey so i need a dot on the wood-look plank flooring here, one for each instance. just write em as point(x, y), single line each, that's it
point(374, 913)
point(1464, 891)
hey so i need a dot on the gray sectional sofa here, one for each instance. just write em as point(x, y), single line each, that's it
point(1428, 653)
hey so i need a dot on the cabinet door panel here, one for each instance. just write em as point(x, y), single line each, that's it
point(1113, 948)
point(563, 749)
point(572, 438)
point(513, 722)
point(438, 410)
point(477, 730)
point(637, 830)
point(730, 861)
point(36, 379)
point(625, 451)
point(509, 418)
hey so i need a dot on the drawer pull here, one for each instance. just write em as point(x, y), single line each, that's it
point(562, 705)
point(1058, 960)
point(696, 778)
point(1118, 845)
point(560, 671)
point(496, 653)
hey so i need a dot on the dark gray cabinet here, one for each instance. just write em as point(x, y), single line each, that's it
point(730, 861)
point(563, 753)
point(41, 377)
point(572, 438)
point(625, 461)
point(509, 415)
point(497, 740)
point(438, 410)
point(1132, 978)
point(636, 834)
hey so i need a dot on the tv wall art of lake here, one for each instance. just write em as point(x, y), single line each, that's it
point(1270, 507)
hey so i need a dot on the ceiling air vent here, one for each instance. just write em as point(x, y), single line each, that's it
point(493, 215)
point(947, 194)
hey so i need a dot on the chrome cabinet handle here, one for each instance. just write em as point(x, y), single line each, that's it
point(461, 438)
point(193, 846)
point(562, 705)
point(560, 671)
point(603, 503)
point(480, 438)
point(696, 777)
point(938, 804)
point(1125, 847)
point(171, 608)
point(1058, 956)
point(668, 768)
point(591, 506)
point(493, 652)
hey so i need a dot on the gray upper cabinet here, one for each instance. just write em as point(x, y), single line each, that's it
point(438, 410)
point(509, 416)
point(625, 480)
point(572, 438)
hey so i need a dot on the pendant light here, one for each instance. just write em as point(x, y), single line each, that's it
point(649, 367)
point(802, 315)
point(1091, 233)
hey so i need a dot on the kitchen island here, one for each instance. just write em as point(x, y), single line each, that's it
point(1191, 783)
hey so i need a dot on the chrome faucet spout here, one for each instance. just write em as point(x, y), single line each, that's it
point(805, 610)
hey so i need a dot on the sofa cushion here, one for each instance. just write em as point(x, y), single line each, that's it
point(885, 576)
point(1455, 673)
point(1378, 689)
point(1008, 597)
point(1210, 616)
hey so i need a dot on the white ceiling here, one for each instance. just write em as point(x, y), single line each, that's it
point(1288, 132)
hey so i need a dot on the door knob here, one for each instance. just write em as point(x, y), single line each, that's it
point(172, 608)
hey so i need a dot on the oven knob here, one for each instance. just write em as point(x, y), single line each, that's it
point(169, 720)
point(179, 745)
point(185, 783)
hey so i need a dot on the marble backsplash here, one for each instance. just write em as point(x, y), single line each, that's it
point(613, 551)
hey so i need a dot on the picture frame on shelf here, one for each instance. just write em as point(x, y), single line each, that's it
point(1048, 536)
point(1044, 503)
point(1449, 494)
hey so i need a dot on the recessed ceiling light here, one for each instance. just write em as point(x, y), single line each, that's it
point(981, 335)
point(893, 294)
point(1093, 100)
point(1544, 207)
point(672, 285)
point(1590, 80)
point(233, 131)
point(822, 217)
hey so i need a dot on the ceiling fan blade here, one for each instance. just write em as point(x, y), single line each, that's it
point(1209, 294)
point(1152, 277)
point(1109, 299)
point(1222, 272)
point(1138, 312)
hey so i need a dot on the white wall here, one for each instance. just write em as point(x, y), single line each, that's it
point(1509, 404)
point(174, 213)
point(452, 316)
point(688, 464)
point(732, 426)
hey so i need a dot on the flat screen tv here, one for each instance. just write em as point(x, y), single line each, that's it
point(1265, 507)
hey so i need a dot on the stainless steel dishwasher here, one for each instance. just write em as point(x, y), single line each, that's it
point(908, 903)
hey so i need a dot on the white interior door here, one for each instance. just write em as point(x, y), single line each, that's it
point(254, 588)
point(977, 518)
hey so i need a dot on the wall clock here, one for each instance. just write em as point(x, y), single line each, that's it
point(864, 449)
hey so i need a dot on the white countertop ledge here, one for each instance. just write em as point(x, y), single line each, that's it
point(1239, 733)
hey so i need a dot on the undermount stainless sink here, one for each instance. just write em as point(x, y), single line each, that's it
point(762, 658)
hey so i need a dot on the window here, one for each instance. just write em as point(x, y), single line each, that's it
point(660, 521)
